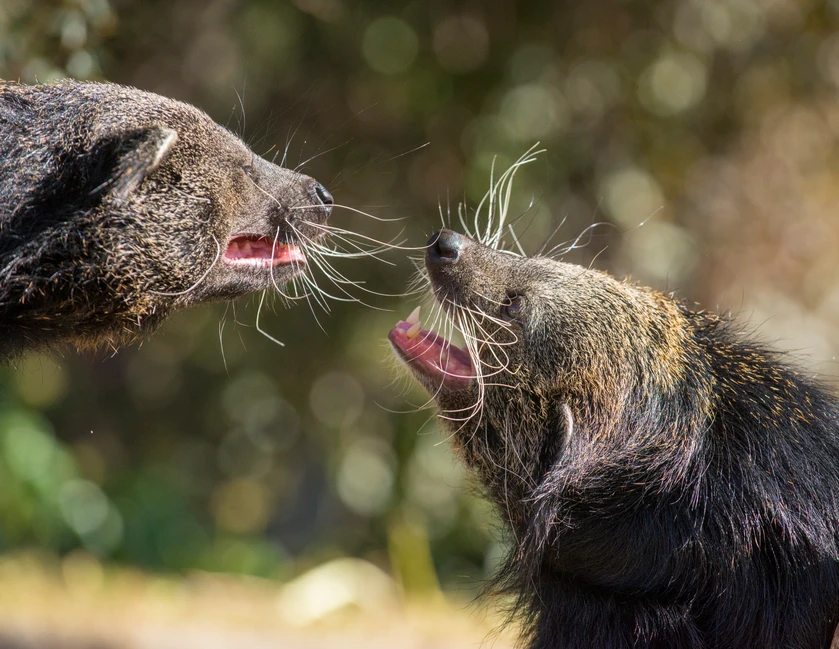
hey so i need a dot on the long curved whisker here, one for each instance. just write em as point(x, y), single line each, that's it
point(341, 254)
point(260, 329)
point(367, 214)
point(318, 258)
point(317, 155)
point(335, 230)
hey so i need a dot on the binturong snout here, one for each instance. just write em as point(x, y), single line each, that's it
point(444, 247)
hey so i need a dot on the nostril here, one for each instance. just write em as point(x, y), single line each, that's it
point(444, 246)
point(323, 195)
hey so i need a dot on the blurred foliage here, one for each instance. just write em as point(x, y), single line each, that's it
point(690, 143)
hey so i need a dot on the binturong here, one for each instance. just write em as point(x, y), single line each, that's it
point(118, 207)
point(667, 482)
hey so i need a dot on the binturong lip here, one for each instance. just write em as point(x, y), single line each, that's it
point(436, 362)
point(255, 251)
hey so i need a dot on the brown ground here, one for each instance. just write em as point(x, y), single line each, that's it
point(76, 604)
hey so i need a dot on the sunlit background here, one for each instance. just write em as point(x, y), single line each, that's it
point(690, 144)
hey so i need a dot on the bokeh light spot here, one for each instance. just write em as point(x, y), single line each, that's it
point(337, 399)
point(28, 448)
point(365, 478)
point(389, 45)
point(83, 505)
point(673, 83)
point(631, 196)
point(40, 381)
point(73, 30)
point(662, 253)
point(433, 483)
point(533, 111)
point(81, 64)
point(591, 88)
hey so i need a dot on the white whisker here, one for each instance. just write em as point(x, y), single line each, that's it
point(260, 329)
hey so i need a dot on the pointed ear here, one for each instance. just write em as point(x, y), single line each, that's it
point(140, 153)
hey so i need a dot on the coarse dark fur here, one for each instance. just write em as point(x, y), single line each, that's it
point(116, 206)
point(668, 483)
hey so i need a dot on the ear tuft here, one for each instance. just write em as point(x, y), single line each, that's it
point(146, 150)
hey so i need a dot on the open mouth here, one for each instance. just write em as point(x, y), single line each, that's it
point(261, 252)
point(430, 355)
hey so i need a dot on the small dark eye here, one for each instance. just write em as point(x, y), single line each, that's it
point(511, 306)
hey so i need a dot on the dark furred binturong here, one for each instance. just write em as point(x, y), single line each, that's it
point(118, 206)
point(667, 482)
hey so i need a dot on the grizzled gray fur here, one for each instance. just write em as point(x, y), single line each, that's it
point(118, 206)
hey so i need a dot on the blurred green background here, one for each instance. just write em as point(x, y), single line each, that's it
point(692, 144)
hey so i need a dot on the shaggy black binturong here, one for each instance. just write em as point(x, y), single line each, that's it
point(668, 484)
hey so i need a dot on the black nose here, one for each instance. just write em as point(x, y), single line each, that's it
point(444, 247)
point(323, 195)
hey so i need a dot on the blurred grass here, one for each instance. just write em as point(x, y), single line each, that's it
point(79, 603)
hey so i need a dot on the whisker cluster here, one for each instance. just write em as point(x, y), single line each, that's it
point(480, 330)
point(324, 243)
point(320, 249)
point(489, 221)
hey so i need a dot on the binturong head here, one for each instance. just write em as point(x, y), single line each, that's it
point(120, 206)
point(556, 362)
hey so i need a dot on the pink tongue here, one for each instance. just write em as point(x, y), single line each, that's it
point(263, 250)
point(433, 352)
